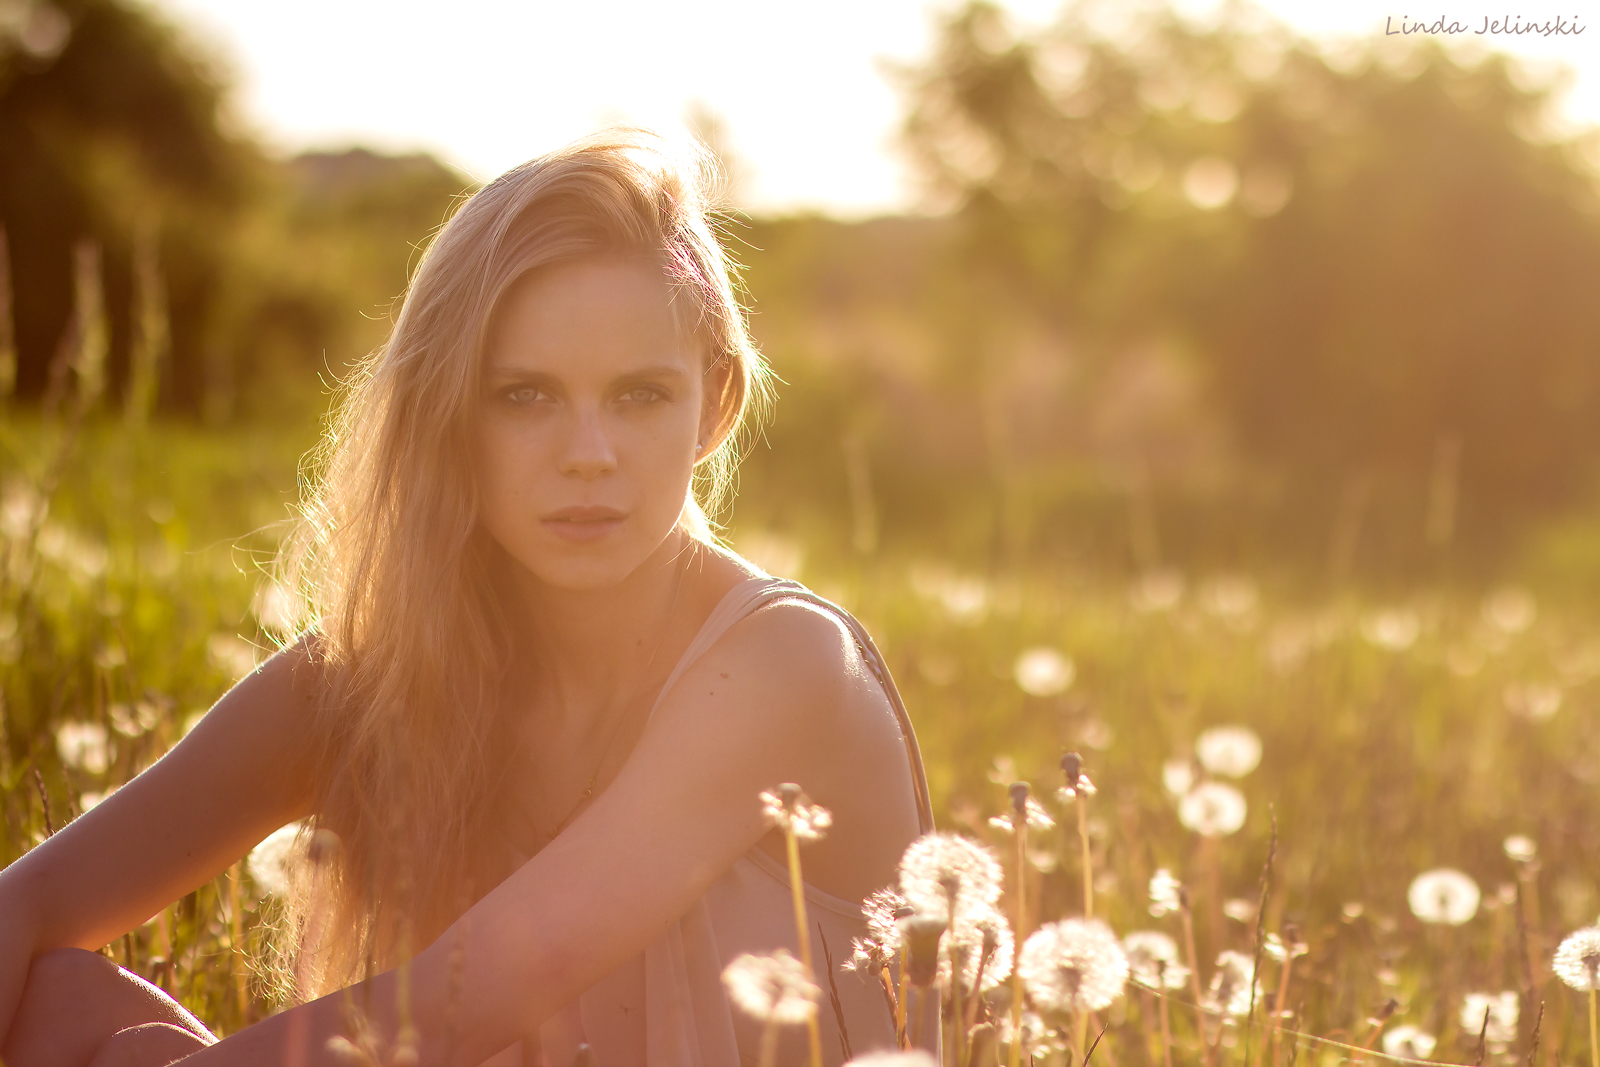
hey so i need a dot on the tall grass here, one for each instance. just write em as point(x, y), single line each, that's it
point(1397, 736)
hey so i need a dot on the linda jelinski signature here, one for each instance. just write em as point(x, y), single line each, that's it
point(1511, 26)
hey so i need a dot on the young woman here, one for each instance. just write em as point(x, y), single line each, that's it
point(536, 704)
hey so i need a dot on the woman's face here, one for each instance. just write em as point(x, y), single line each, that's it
point(592, 402)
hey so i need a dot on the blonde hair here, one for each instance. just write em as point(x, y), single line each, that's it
point(406, 632)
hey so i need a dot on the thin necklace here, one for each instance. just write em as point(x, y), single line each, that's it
point(616, 728)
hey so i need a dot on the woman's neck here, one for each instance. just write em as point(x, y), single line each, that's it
point(586, 651)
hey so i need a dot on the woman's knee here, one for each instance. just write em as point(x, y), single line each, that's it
point(149, 1045)
point(70, 971)
point(75, 1001)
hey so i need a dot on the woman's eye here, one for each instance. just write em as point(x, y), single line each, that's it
point(643, 394)
point(523, 394)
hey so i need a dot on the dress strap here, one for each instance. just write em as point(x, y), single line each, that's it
point(747, 597)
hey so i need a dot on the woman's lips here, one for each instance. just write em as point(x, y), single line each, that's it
point(581, 530)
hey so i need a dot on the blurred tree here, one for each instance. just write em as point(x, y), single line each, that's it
point(1373, 264)
point(323, 253)
point(108, 122)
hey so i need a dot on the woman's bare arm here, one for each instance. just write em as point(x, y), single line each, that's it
point(243, 771)
point(765, 705)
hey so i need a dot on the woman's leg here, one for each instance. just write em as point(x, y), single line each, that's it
point(76, 1001)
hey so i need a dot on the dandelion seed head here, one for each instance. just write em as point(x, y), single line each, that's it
point(773, 988)
point(1043, 672)
point(21, 508)
point(1037, 818)
point(1231, 989)
point(1153, 960)
point(1510, 610)
point(1534, 701)
point(1288, 946)
point(1157, 590)
point(1577, 959)
point(913, 1058)
point(1391, 629)
point(790, 810)
point(93, 799)
point(867, 957)
point(934, 860)
point(1231, 751)
point(1408, 1042)
point(882, 912)
point(1231, 598)
point(1503, 1009)
point(1444, 895)
point(1521, 848)
point(231, 654)
point(84, 746)
point(1164, 893)
point(1003, 770)
point(132, 720)
point(1177, 775)
point(972, 934)
point(1212, 809)
point(1077, 783)
point(277, 607)
point(1239, 909)
point(271, 863)
point(1084, 788)
point(1038, 1039)
point(1073, 965)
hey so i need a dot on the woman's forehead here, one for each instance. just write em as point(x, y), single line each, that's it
point(600, 312)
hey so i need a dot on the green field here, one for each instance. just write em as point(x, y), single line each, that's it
point(1398, 735)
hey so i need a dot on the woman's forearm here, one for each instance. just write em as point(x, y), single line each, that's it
point(453, 1023)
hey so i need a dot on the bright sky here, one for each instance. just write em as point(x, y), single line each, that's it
point(801, 88)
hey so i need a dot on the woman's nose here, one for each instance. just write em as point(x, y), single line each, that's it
point(587, 450)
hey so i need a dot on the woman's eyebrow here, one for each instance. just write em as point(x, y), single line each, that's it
point(506, 372)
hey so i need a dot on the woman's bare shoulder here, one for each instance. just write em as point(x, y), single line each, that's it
point(812, 687)
point(799, 667)
point(798, 643)
point(296, 677)
point(278, 702)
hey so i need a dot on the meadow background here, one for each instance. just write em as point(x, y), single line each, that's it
point(1238, 383)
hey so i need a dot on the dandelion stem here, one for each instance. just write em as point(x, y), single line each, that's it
point(1528, 908)
point(407, 1038)
point(1080, 1034)
point(1594, 1031)
point(895, 1018)
point(1166, 1030)
point(976, 999)
point(956, 1014)
point(1278, 1003)
point(1088, 863)
point(1211, 873)
point(1194, 981)
point(236, 944)
point(796, 885)
point(769, 1043)
point(1015, 1053)
point(904, 998)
